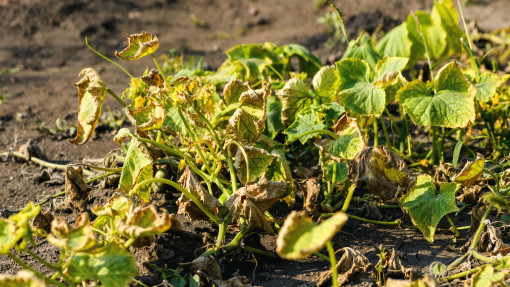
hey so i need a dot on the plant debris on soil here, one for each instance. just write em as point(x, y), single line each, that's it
point(410, 215)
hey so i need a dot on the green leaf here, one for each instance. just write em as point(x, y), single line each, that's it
point(294, 96)
point(22, 222)
point(357, 93)
point(258, 161)
point(8, 236)
point(451, 104)
point(173, 122)
point(365, 50)
point(325, 84)
point(112, 265)
point(147, 118)
point(140, 45)
point(137, 168)
point(349, 142)
point(486, 86)
point(144, 221)
point(248, 121)
point(23, 278)
point(395, 43)
point(300, 236)
point(308, 62)
point(274, 122)
point(425, 207)
point(341, 173)
point(91, 93)
point(445, 13)
point(307, 120)
point(254, 58)
point(487, 277)
point(233, 91)
point(433, 32)
point(388, 69)
point(471, 172)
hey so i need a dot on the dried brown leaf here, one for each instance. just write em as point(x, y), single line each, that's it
point(236, 281)
point(350, 265)
point(425, 281)
point(76, 190)
point(253, 200)
point(43, 221)
point(189, 181)
point(206, 264)
point(311, 189)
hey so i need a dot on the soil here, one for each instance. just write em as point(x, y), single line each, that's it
point(43, 40)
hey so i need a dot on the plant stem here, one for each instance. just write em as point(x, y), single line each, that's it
point(455, 230)
point(376, 133)
point(461, 274)
point(385, 131)
point(432, 158)
point(159, 68)
point(129, 242)
point(41, 162)
point(36, 273)
point(261, 252)
point(234, 244)
point(41, 260)
point(348, 198)
point(119, 100)
point(332, 259)
point(331, 186)
point(483, 257)
point(326, 132)
point(320, 255)
point(108, 59)
point(480, 228)
point(181, 189)
point(386, 223)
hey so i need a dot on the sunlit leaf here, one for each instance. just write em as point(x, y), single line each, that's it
point(250, 202)
point(471, 172)
point(357, 93)
point(258, 161)
point(233, 90)
point(349, 142)
point(434, 34)
point(445, 13)
point(248, 121)
point(300, 236)
point(396, 42)
point(23, 229)
point(149, 117)
point(274, 122)
point(307, 120)
point(486, 86)
point(487, 276)
point(364, 50)
point(382, 170)
point(91, 94)
point(144, 221)
point(425, 207)
point(388, 69)
point(294, 97)
point(450, 103)
point(137, 168)
point(111, 264)
point(326, 84)
point(8, 236)
point(140, 45)
point(308, 62)
point(23, 278)
point(254, 58)
point(117, 206)
point(76, 238)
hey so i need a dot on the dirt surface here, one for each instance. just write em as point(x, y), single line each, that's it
point(44, 41)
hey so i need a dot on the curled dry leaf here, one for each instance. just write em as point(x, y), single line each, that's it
point(300, 236)
point(253, 200)
point(76, 238)
point(186, 89)
point(30, 149)
point(146, 118)
point(91, 93)
point(491, 241)
point(394, 267)
point(350, 265)
point(471, 172)
point(189, 181)
point(23, 278)
point(153, 79)
point(76, 190)
point(233, 91)
point(144, 221)
point(206, 264)
point(382, 170)
point(140, 45)
point(369, 210)
point(311, 189)
point(43, 221)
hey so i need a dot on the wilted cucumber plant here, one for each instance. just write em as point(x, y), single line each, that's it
point(237, 134)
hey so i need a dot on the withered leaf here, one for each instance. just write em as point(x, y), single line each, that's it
point(350, 265)
point(149, 117)
point(140, 45)
point(91, 93)
point(207, 264)
point(471, 172)
point(23, 278)
point(426, 281)
point(143, 222)
point(190, 182)
point(233, 91)
point(253, 200)
point(236, 281)
point(258, 162)
point(153, 79)
point(311, 189)
point(369, 210)
point(76, 190)
point(381, 169)
point(43, 221)
point(76, 238)
point(30, 149)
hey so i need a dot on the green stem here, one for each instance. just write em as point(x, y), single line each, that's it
point(348, 198)
point(455, 230)
point(331, 186)
point(181, 189)
point(385, 223)
point(320, 255)
point(139, 283)
point(461, 274)
point(41, 162)
point(480, 228)
point(385, 131)
point(432, 158)
point(234, 244)
point(495, 177)
point(332, 259)
point(41, 260)
point(119, 100)
point(326, 132)
point(108, 59)
point(465, 26)
point(129, 242)
point(261, 252)
point(159, 68)
point(222, 232)
point(223, 114)
point(483, 257)
point(36, 273)
point(376, 133)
